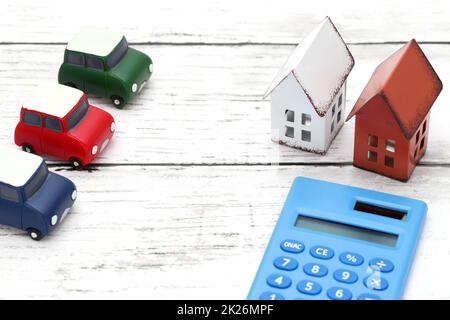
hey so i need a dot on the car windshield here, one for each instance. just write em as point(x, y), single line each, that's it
point(118, 53)
point(36, 182)
point(78, 114)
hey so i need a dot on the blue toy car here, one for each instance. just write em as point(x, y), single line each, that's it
point(32, 198)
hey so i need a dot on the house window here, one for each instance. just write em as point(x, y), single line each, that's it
point(333, 110)
point(372, 156)
point(373, 141)
point(306, 119)
point(389, 161)
point(289, 132)
point(332, 127)
point(390, 145)
point(338, 119)
point(422, 143)
point(290, 116)
point(306, 135)
point(424, 127)
point(415, 152)
point(340, 100)
point(417, 136)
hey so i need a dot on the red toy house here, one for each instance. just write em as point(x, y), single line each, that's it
point(393, 113)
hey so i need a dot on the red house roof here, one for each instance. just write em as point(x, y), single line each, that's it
point(409, 85)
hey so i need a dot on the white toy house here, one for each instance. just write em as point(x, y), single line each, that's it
point(308, 94)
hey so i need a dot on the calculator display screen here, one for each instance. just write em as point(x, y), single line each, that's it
point(345, 230)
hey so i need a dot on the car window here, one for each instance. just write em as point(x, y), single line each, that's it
point(118, 53)
point(32, 119)
point(36, 182)
point(75, 58)
point(53, 124)
point(94, 63)
point(9, 193)
point(78, 114)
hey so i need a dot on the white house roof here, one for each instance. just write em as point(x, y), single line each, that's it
point(320, 64)
point(95, 41)
point(17, 167)
point(53, 99)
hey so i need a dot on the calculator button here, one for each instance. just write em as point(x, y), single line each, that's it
point(368, 296)
point(376, 282)
point(322, 252)
point(345, 276)
point(351, 259)
point(271, 296)
point(285, 263)
point(279, 281)
point(315, 269)
point(337, 293)
point(309, 287)
point(382, 265)
point(292, 246)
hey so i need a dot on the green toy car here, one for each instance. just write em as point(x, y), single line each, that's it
point(99, 62)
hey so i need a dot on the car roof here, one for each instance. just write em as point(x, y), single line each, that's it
point(17, 167)
point(95, 40)
point(53, 99)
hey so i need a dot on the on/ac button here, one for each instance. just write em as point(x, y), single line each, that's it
point(292, 246)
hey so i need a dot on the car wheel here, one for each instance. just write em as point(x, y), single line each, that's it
point(71, 84)
point(117, 101)
point(27, 148)
point(76, 164)
point(35, 234)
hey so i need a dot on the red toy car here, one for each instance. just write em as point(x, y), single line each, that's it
point(59, 121)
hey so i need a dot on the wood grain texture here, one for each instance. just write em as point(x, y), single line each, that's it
point(192, 232)
point(232, 21)
point(204, 104)
point(178, 206)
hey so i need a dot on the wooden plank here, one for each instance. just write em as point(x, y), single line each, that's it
point(225, 21)
point(192, 232)
point(204, 104)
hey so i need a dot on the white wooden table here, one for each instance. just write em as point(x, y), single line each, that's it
point(183, 202)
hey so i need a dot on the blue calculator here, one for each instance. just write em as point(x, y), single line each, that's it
point(339, 242)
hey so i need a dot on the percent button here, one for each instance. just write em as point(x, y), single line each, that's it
point(351, 259)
